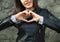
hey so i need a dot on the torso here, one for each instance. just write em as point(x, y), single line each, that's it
point(34, 31)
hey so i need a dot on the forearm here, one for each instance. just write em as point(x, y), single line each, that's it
point(55, 25)
point(6, 22)
point(52, 24)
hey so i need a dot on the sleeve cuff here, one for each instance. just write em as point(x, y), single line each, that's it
point(41, 20)
point(13, 19)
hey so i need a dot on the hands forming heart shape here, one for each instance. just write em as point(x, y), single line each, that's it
point(27, 16)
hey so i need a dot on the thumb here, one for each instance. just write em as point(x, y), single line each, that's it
point(24, 20)
point(31, 20)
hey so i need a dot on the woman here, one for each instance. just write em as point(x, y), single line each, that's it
point(31, 21)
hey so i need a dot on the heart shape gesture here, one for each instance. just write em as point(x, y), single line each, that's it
point(27, 16)
point(35, 16)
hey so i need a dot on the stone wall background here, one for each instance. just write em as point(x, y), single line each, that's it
point(10, 34)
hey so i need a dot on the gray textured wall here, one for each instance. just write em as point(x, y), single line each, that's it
point(10, 34)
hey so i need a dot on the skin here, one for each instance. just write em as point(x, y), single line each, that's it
point(28, 4)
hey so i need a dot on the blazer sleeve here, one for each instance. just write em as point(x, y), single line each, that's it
point(52, 22)
point(6, 22)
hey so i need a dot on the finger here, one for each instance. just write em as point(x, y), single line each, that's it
point(24, 20)
point(29, 13)
point(32, 13)
point(30, 21)
point(20, 13)
point(26, 12)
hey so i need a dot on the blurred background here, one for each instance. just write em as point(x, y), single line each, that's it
point(10, 34)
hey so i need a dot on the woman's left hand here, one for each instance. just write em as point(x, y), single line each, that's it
point(35, 16)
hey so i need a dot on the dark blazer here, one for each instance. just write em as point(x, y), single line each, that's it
point(49, 20)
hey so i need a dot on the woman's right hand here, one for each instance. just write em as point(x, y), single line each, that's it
point(20, 15)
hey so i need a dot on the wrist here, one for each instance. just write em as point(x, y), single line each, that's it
point(41, 19)
point(14, 19)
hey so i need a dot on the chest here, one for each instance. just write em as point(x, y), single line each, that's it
point(30, 27)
